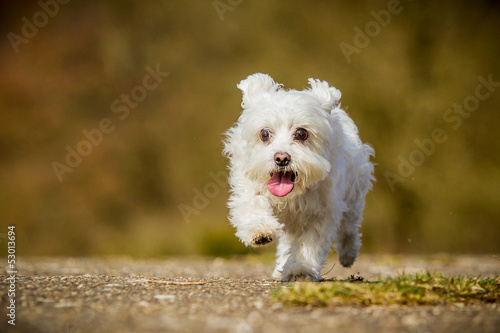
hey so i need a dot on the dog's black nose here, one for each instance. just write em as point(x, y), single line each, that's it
point(282, 159)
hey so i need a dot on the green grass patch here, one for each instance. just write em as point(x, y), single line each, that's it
point(418, 289)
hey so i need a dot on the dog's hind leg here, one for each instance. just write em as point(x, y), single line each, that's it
point(348, 239)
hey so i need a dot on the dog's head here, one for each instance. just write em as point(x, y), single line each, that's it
point(284, 139)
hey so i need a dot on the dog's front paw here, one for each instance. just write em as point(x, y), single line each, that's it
point(300, 278)
point(258, 236)
point(261, 239)
point(300, 274)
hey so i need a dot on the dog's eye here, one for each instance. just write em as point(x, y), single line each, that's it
point(301, 134)
point(265, 135)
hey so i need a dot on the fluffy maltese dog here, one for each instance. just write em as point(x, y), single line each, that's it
point(299, 174)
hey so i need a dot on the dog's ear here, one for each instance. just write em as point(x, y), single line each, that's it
point(256, 84)
point(328, 96)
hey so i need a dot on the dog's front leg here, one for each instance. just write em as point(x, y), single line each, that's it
point(308, 254)
point(283, 251)
point(253, 218)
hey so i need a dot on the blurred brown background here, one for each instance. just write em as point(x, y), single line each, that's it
point(152, 185)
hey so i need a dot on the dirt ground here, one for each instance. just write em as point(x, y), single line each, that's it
point(218, 295)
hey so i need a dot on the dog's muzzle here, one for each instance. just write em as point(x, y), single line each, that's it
point(282, 179)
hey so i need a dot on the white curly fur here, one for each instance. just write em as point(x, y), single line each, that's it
point(332, 167)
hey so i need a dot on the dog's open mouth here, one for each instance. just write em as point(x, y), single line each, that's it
point(281, 183)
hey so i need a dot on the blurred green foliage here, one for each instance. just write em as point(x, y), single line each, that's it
point(124, 197)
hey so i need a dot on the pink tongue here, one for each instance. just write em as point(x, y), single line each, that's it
point(280, 184)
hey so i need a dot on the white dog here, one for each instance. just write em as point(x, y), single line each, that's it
point(298, 173)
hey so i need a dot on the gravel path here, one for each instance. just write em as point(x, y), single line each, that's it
point(216, 295)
